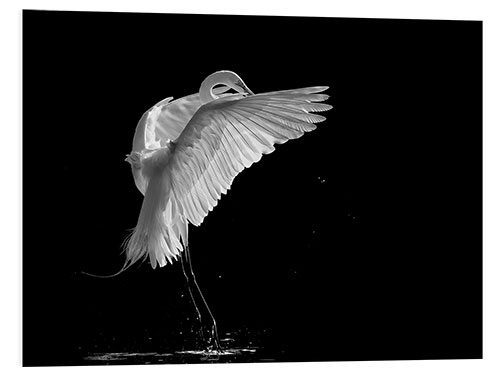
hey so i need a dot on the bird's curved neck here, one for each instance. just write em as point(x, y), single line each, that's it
point(218, 78)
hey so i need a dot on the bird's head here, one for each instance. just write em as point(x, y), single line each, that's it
point(238, 84)
point(225, 78)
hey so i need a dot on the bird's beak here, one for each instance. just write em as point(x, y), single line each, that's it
point(244, 88)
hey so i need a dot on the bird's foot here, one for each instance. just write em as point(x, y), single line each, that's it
point(214, 347)
point(210, 342)
point(135, 159)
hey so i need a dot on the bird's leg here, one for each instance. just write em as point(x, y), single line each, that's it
point(198, 313)
point(213, 341)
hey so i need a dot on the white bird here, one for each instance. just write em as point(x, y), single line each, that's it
point(187, 152)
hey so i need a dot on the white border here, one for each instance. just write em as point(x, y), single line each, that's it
point(10, 142)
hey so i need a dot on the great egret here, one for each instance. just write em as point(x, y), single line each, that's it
point(187, 152)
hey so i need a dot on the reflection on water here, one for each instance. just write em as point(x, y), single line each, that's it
point(186, 356)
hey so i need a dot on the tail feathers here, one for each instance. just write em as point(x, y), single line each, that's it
point(161, 232)
point(161, 229)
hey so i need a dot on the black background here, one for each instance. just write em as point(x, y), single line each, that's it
point(358, 241)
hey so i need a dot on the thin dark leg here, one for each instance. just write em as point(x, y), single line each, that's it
point(213, 342)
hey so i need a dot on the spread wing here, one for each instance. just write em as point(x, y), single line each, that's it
point(230, 134)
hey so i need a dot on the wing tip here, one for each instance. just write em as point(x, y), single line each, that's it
point(315, 89)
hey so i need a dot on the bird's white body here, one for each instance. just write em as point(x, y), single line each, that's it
point(187, 152)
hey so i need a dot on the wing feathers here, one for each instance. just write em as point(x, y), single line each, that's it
point(230, 134)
